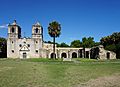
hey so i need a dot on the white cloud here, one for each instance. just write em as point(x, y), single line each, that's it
point(4, 26)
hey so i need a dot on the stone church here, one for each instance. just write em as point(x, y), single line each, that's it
point(34, 47)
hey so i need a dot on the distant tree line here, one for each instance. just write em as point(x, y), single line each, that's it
point(86, 42)
point(3, 47)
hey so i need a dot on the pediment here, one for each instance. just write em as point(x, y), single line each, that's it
point(24, 48)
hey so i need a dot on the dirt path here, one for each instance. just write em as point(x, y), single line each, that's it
point(111, 81)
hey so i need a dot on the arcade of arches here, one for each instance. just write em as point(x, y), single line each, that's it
point(69, 53)
point(90, 53)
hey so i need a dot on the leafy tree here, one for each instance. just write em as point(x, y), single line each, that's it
point(111, 47)
point(118, 50)
point(3, 48)
point(76, 43)
point(54, 30)
point(97, 44)
point(112, 42)
point(62, 45)
point(88, 42)
point(48, 42)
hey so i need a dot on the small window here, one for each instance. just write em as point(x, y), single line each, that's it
point(24, 42)
point(36, 51)
point(12, 51)
point(20, 45)
point(12, 42)
point(36, 41)
point(28, 45)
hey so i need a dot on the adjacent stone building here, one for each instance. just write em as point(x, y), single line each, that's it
point(35, 47)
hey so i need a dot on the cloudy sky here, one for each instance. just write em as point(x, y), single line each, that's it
point(78, 18)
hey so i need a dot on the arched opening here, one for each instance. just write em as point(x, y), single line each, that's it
point(24, 55)
point(63, 55)
point(74, 55)
point(52, 54)
point(108, 55)
point(36, 30)
point(12, 30)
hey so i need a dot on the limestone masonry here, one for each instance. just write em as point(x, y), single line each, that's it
point(35, 47)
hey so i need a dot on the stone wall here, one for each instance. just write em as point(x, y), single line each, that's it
point(99, 52)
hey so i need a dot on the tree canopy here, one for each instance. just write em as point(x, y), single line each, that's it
point(112, 43)
point(54, 29)
point(88, 42)
point(76, 43)
point(63, 44)
point(3, 47)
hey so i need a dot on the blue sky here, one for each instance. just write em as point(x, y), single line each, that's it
point(78, 18)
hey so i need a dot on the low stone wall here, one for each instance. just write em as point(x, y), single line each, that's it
point(67, 59)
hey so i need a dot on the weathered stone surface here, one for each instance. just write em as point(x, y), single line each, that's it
point(100, 53)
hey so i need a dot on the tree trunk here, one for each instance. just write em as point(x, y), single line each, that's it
point(54, 55)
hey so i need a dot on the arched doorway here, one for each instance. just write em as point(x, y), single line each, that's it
point(74, 55)
point(51, 56)
point(63, 55)
point(108, 55)
point(24, 55)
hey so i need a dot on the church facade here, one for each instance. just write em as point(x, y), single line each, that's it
point(35, 47)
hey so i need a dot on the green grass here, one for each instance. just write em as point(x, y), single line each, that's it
point(53, 73)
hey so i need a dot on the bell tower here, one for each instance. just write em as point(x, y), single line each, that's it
point(14, 30)
point(37, 38)
point(14, 34)
point(37, 31)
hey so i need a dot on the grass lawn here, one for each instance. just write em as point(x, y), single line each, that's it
point(55, 73)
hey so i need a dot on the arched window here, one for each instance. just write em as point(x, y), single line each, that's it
point(36, 30)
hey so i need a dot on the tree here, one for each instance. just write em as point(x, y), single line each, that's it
point(97, 44)
point(76, 43)
point(3, 48)
point(63, 44)
point(54, 30)
point(112, 42)
point(87, 42)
